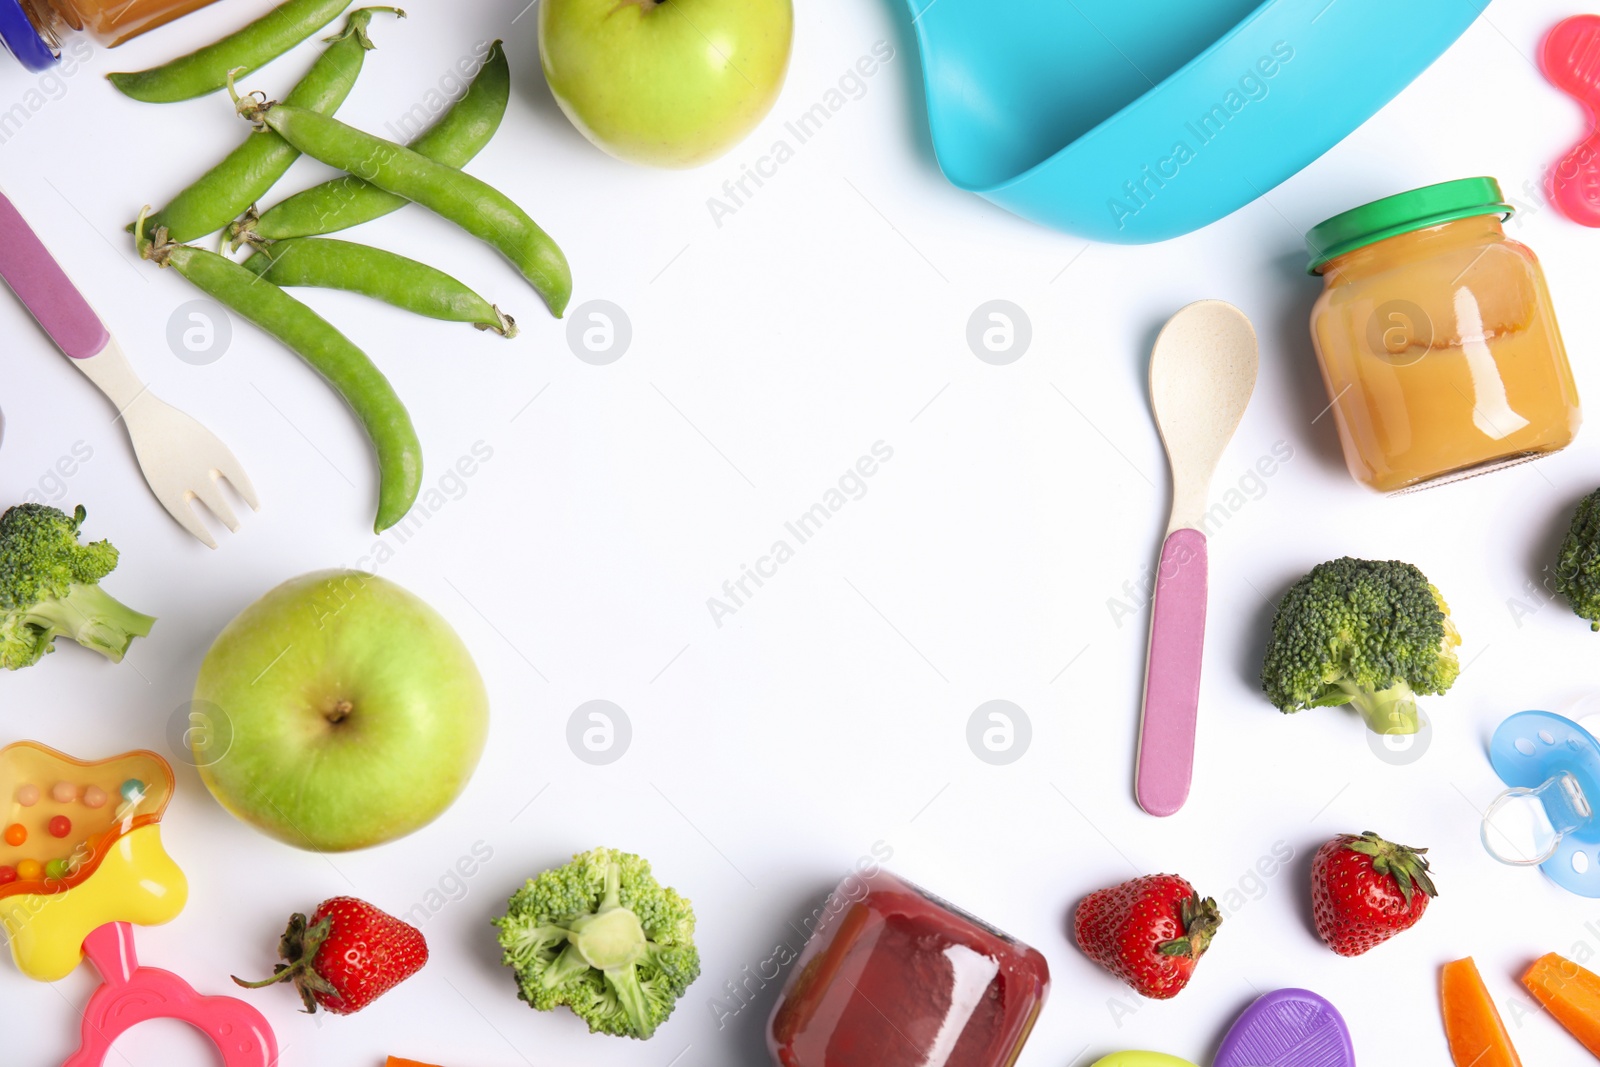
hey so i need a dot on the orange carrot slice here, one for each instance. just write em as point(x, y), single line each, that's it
point(1477, 1036)
point(1569, 993)
point(396, 1061)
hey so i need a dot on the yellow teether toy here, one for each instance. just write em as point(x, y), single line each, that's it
point(81, 863)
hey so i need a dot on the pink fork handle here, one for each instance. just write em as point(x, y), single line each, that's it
point(1172, 675)
point(44, 289)
point(133, 994)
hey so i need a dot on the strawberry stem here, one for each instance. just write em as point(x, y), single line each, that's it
point(298, 947)
point(1407, 866)
point(1201, 919)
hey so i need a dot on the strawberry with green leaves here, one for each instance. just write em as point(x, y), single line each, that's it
point(347, 955)
point(1149, 932)
point(1364, 890)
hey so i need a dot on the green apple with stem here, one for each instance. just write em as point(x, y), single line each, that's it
point(342, 712)
point(670, 83)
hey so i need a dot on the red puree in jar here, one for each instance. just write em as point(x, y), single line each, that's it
point(900, 978)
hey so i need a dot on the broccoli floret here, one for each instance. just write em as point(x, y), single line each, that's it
point(1578, 571)
point(603, 937)
point(1369, 633)
point(49, 585)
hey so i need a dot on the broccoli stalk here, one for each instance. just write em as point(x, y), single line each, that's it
point(603, 937)
point(49, 586)
point(612, 941)
point(93, 618)
point(1371, 634)
point(1385, 711)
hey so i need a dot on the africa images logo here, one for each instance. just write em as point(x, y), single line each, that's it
point(1140, 191)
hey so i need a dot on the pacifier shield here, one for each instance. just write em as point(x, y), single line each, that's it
point(1547, 816)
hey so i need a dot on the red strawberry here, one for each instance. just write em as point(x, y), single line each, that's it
point(1149, 932)
point(1364, 890)
point(347, 956)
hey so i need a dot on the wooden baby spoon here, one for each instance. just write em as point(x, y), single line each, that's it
point(1202, 372)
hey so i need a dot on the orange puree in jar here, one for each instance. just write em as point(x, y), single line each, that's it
point(114, 21)
point(111, 22)
point(1437, 339)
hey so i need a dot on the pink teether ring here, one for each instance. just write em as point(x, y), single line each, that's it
point(1570, 60)
point(133, 994)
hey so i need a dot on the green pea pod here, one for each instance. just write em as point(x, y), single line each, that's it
point(460, 134)
point(474, 205)
point(249, 171)
point(331, 353)
point(206, 70)
point(323, 263)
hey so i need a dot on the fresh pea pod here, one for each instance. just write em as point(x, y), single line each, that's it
point(246, 173)
point(324, 263)
point(206, 70)
point(460, 134)
point(474, 205)
point(330, 353)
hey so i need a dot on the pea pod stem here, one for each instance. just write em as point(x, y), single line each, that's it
point(329, 352)
point(472, 204)
point(458, 136)
point(205, 70)
point(250, 170)
point(321, 262)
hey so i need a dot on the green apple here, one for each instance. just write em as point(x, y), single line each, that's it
point(672, 83)
point(344, 712)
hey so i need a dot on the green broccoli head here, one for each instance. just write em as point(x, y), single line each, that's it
point(1374, 634)
point(1578, 571)
point(603, 937)
point(49, 585)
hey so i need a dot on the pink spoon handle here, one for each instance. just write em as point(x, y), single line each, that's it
point(44, 289)
point(1172, 675)
point(133, 994)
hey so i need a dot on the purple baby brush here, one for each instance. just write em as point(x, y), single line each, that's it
point(1289, 1028)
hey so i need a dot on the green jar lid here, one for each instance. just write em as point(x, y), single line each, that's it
point(1392, 216)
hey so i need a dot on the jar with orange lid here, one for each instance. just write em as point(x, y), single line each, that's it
point(1437, 339)
point(33, 30)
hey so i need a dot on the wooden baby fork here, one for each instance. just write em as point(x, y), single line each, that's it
point(181, 459)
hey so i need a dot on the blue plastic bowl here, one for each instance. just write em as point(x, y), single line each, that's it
point(1139, 120)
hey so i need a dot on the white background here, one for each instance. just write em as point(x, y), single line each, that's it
point(829, 713)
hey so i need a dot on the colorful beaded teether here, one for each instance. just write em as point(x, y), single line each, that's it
point(80, 892)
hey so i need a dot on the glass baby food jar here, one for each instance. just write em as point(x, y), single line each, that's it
point(32, 30)
point(1437, 339)
point(895, 977)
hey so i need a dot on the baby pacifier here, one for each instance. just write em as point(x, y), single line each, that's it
point(81, 864)
point(1547, 818)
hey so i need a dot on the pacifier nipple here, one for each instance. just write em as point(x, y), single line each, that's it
point(1524, 827)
